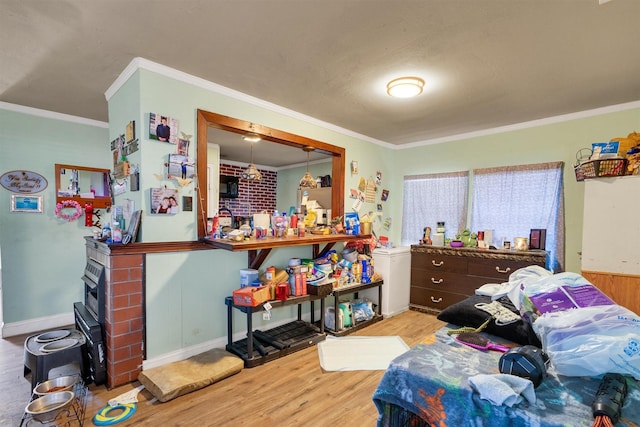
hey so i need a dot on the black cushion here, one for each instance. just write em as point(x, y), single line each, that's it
point(464, 313)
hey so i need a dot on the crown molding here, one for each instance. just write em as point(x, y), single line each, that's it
point(52, 115)
point(142, 63)
point(526, 125)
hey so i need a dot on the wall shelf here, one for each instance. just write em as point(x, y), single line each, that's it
point(258, 249)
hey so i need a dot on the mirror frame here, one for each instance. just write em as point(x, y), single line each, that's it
point(206, 119)
point(98, 202)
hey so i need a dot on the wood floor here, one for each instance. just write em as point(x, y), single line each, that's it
point(290, 391)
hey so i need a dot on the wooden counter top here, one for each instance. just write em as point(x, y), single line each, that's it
point(512, 254)
point(258, 249)
point(278, 242)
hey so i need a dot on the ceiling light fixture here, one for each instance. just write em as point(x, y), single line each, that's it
point(405, 87)
point(251, 173)
point(251, 137)
point(307, 180)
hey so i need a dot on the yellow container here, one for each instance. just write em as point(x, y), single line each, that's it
point(365, 228)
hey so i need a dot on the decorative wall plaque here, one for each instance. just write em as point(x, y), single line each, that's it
point(23, 182)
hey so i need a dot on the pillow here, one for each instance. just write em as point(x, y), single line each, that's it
point(174, 379)
point(464, 313)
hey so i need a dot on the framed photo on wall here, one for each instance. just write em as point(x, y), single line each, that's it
point(163, 128)
point(183, 147)
point(26, 203)
point(164, 201)
point(180, 166)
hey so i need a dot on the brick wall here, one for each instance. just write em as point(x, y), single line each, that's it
point(254, 196)
point(124, 313)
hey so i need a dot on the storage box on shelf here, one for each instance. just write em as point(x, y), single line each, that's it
point(600, 168)
point(353, 290)
point(442, 276)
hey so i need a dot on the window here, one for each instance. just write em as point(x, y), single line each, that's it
point(429, 199)
point(509, 200)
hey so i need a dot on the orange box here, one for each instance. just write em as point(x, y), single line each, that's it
point(251, 296)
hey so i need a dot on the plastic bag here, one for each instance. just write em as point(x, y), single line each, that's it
point(591, 341)
point(583, 331)
point(362, 309)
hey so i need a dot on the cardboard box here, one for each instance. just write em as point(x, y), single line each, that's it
point(605, 150)
point(251, 296)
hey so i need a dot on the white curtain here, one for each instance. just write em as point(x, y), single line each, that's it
point(513, 200)
point(429, 199)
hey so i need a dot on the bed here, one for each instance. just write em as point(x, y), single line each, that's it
point(428, 386)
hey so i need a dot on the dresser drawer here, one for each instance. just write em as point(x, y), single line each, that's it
point(498, 270)
point(431, 298)
point(444, 281)
point(428, 261)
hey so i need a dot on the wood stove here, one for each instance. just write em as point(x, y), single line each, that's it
point(90, 320)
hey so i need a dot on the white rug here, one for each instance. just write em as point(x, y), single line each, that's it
point(359, 353)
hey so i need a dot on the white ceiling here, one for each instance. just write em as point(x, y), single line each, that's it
point(487, 63)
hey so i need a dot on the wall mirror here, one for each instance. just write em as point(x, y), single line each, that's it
point(211, 122)
point(84, 185)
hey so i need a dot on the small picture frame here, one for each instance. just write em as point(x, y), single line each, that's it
point(180, 166)
point(130, 132)
point(183, 147)
point(26, 203)
point(164, 201)
point(163, 128)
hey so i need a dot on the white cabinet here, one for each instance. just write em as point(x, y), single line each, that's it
point(611, 238)
point(611, 228)
point(394, 264)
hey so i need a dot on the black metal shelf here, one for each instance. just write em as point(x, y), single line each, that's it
point(263, 346)
point(354, 289)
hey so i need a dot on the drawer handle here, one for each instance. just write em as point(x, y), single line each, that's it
point(436, 282)
point(436, 300)
point(506, 270)
point(437, 264)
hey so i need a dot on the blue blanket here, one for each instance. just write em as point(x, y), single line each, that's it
point(429, 384)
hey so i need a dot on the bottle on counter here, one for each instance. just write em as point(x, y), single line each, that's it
point(274, 223)
point(106, 233)
point(116, 232)
point(285, 224)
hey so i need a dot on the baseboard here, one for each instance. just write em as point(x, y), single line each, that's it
point(395, 313)
point(221, 342)
point(32, 326)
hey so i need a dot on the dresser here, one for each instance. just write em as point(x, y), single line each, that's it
point(441, 276)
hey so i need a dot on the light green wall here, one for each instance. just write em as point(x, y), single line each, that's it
point(42, 255)
point(174, 282)
point(553, 142)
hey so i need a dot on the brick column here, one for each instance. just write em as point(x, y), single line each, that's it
point(124, 312)
point(124, 323)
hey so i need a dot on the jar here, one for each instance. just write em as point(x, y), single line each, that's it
point(521, 243)
point(270, 274)
point(246, 229)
